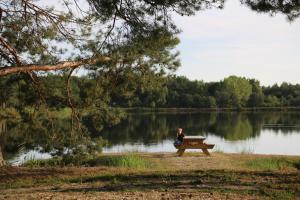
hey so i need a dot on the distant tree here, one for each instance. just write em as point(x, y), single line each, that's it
point(271, 101)
point(234, 91)
point(224, 99)
point(256, 98)
point(295, 101)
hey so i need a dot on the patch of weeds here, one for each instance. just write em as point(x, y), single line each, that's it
point(55, 161)
point(114, 181)
point(278, 194)
point(297, 165)
point(94, 178)
point(66, 160)
point(30, 182)
point(129, 161)
point(270, 164)
point(230, 177)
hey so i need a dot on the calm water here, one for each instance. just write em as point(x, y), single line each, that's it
point(259, 133)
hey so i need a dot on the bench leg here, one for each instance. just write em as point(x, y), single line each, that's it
point(180, 152)
point(205, 151)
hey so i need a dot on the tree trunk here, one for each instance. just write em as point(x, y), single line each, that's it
point(1, 158)
point(2, 130)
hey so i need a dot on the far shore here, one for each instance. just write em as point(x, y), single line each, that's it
point(194, 110)
point(12, 113)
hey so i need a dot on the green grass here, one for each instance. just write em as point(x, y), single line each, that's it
point(129, 161)
point(278, 195)
point(52, 162)
point(67, 160)
point(270, 164)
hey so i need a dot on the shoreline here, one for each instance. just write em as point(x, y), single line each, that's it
point(199, 110)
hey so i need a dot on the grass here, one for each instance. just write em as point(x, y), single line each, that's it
point(128, 161)
point(278, 195)
point(52, 162)
point(140, 161)
point(270, 164)
point(160, 172)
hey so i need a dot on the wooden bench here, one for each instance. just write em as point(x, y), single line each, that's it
point(193, 142)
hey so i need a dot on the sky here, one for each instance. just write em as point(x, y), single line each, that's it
point(237, 41)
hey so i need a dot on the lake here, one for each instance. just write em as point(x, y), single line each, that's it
point(231, 132)
point(253, 132)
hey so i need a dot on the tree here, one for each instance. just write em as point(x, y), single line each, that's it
point(235, 91)
point(271, 101)
point(256, 98)
point(2, 130)
point(107, 36)
point(32, 34)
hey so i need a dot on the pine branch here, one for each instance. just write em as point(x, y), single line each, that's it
point(58, 66)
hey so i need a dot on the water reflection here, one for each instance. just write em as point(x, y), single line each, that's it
point(153, 128)
point(231, 131)
point(246, 132)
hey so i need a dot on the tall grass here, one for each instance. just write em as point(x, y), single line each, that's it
point(270, 164)
point(33, 162)
point(128, 161)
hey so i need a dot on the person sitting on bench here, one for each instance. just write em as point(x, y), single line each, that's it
point(179, 137)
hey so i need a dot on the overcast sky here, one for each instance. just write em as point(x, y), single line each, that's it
point(237, 41)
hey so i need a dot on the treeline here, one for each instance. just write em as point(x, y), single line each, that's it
point(151, 91)
point(232, 92)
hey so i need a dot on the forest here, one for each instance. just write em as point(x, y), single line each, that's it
point(149, 92)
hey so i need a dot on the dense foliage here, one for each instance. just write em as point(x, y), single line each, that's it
point(232, 92)
point(151, 91)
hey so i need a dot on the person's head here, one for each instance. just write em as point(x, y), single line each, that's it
point(179, 130)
